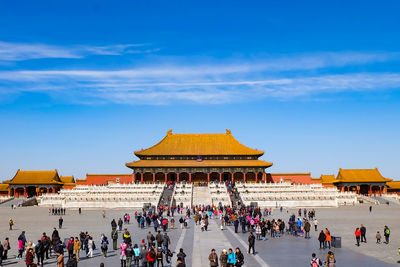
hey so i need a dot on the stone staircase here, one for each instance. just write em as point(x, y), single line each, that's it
point(201, 195)
point(165, 199)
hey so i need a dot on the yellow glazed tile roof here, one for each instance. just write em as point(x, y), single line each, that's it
point(67, 179)
point(35, 177)
point(195, 163)
point(198, 145)
point(327, 179)
point(360, 175)
point(4, 187)
point(393, 184)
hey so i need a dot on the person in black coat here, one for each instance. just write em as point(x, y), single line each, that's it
point(321, 239)
point(363, 232)
point(252, 241)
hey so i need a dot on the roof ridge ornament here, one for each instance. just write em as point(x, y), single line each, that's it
point(228, 131)
point(169, 132)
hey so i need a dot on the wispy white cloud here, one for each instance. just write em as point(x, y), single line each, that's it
point(20, 51)
point(280, 78)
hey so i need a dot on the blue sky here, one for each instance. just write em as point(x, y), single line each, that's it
point(316, 85)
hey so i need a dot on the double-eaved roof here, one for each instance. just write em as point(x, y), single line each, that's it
point(199, 145)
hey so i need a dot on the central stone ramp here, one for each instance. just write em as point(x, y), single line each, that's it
point(201, 195)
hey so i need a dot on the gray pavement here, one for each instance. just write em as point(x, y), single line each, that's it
point(284, 251)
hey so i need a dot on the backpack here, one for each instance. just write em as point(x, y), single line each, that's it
point(316, 262)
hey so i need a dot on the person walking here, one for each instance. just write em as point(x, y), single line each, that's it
point(136, 255)
point(231, 258)
point(307, 227)
point(315, 262)
point(77, 248)
point(315, 224)
point(143, 256)
point(330, 259)
point(357, 233)
point(129, 255)
point(114, 237)
point(378, 237)
point(11, 223)
point(122, 254)
point(6, 247)
point(213, 258)
point(1, 254)
point(363, 232)
point(328, 238)
point(166, 242)
point(239, 257)
point(104, 245)
point(60, 259)
point(29, 257)
point(386, 233)
point(223, 258)
point(90, 246)
point(321, 239)
point(252, 241)
point(181, 255)
point(60, 222)
point(70, 247)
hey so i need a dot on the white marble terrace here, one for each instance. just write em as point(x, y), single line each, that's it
point(288, 195)
point(108, 196)
point(183, 194)
point(219, 194)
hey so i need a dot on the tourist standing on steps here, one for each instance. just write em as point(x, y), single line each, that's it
point(252, 240)
point(363, 232)
point(358, 236)
point(386, 233)
point(213, 258)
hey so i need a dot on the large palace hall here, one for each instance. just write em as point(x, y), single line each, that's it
point(197, 159)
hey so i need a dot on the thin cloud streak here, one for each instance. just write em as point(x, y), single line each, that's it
point(20, 51)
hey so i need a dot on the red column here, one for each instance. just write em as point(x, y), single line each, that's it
point(177, 177)
point(190, 177)
point(133, 177)
point(264, 177)
point(166, 177)
point(256, 177)
point(25, 192)
point(232, 175)
point(220, 177)
point(244, 177)
point(154, 178)
point(208, 177)
point(141, 177)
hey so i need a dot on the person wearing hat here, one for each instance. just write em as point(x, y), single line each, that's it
point(223, 258)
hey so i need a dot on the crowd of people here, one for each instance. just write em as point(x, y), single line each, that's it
point(153, 248)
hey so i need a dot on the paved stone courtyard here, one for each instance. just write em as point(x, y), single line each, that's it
point(284, 251)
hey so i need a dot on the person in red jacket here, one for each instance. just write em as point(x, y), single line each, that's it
point(151, 257)
point(29, 258)
point(358, 236)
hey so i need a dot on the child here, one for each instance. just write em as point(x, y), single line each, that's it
point(378, 237)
